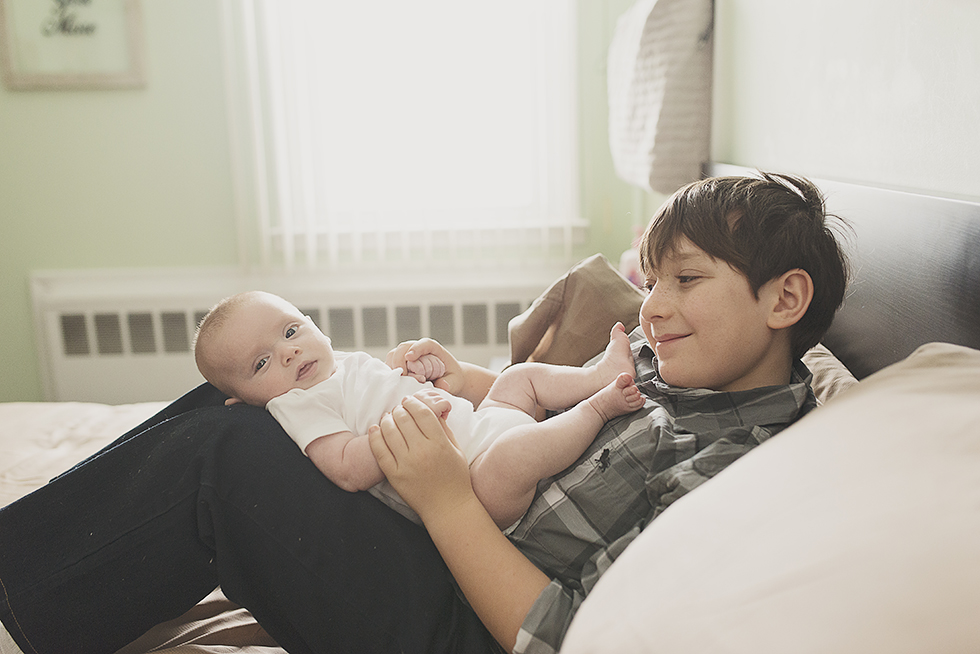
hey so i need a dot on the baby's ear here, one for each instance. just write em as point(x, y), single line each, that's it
point(793, 293)
point(233, 400)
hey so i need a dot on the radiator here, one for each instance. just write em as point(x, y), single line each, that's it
point(126, 336)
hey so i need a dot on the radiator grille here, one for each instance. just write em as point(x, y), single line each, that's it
point(127, 337)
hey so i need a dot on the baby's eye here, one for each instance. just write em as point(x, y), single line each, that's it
point(290, 332)
point(261, 364)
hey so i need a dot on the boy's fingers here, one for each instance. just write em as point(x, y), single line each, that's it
point(403, 421)
point(397, 357)
point(393, 436)
point(380, 449)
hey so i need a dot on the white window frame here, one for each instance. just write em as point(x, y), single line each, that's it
point(275, 207)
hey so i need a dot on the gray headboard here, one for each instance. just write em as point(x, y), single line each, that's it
point(916, 272)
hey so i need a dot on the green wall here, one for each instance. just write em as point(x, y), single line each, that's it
point(133, 178)
point(613, 207)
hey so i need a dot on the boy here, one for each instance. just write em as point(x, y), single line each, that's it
point(260, 349)
point(743, 276)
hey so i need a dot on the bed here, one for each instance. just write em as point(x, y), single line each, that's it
point(856, 530)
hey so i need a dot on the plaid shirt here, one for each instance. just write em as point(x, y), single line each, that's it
point(638, 465)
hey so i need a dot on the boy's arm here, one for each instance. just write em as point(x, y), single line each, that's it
point(346, 460)
point(432, 475)
point(465, 380)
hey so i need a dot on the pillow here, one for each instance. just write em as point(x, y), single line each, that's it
point(855, 531)
point(570, 322)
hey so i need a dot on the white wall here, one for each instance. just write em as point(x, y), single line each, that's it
point(879, 91)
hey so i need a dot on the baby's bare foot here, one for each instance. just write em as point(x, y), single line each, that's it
point(618, 358)
point(619, 397)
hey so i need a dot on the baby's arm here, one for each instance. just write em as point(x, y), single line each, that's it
point(464, 380)
point(346, 460)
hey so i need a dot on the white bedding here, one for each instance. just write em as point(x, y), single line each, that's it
point(39, 440)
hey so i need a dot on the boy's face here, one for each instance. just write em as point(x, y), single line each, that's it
point(268, 347)
point(707, 327)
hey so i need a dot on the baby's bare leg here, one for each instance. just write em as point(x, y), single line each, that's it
point(506, 475)
point(527, 386)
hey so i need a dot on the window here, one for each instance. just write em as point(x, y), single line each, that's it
point(423, 131)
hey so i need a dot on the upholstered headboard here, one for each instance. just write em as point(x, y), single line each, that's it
point(916, 272)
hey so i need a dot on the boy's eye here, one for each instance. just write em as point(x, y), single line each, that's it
point(261, 364)
point(686, 279)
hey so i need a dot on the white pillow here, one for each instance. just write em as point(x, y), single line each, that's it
point(857, 530)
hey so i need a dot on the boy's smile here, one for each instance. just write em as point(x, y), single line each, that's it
point(707, 326)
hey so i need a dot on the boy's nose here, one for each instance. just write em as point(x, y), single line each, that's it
point(655, 304)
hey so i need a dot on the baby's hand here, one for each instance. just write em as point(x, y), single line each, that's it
point(427, 367)
point(404, 355)
point(436, 401)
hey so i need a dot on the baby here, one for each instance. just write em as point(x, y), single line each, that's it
point(261, 350)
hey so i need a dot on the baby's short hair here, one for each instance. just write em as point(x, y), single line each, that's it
point(763, 227)
point(210, 326)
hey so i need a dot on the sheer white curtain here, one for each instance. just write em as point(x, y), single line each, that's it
point(432, 130)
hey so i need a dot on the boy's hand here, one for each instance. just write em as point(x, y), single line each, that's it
point(410, 353)
point(417, 453)
point(428, 367)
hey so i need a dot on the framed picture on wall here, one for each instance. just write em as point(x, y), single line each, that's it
point(71, 44)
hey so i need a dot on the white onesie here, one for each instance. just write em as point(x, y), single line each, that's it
point(360, 392)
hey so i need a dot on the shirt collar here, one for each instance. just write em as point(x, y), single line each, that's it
point(782, 404)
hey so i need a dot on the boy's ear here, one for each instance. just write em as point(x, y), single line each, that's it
point(233, 400)
point(793, 293)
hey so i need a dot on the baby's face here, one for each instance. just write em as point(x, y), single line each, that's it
point(267, 348)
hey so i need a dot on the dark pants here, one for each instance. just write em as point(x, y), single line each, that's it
point(201, 495)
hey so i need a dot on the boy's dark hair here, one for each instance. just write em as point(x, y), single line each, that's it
point(763, 227)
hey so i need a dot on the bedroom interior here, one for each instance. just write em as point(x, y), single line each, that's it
point(876, 101)
point(88, 187)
